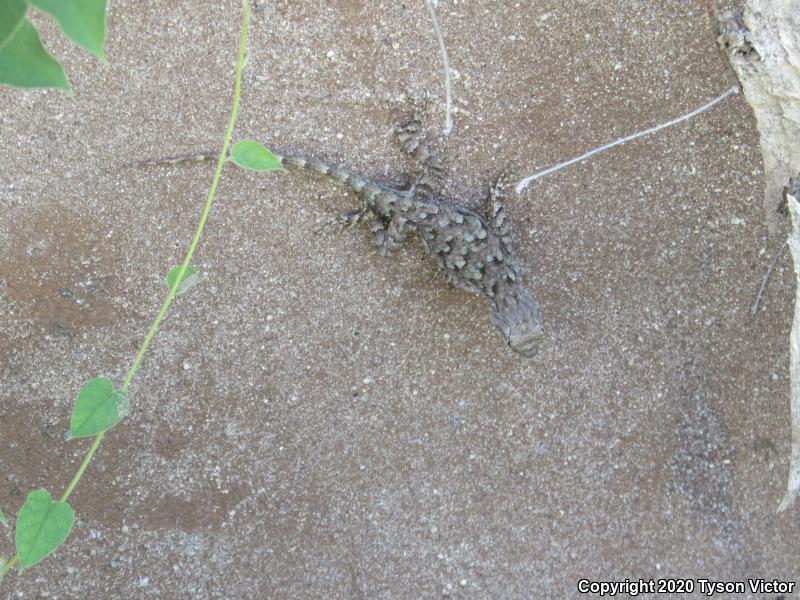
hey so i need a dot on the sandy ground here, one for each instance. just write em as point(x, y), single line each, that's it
point(315, 421)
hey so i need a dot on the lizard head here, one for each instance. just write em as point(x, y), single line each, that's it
point(516, 316)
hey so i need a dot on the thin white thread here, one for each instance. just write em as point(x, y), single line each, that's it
point(524, 183)
point(448, 119)
point(765, 280)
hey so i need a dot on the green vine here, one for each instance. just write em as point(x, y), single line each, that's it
point(43, 524)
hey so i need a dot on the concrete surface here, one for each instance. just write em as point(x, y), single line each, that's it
point(315, 421)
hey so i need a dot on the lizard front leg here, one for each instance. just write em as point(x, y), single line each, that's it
point(494, 208)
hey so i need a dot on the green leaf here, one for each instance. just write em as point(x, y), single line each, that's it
point(82, 21)
point(98, 408)
point(190, 277)
point(25, 63)
point(42, 526)
point(249, 154)
point(12, 13)
point(3, 519)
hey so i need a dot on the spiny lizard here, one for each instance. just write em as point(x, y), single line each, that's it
point(475, 253)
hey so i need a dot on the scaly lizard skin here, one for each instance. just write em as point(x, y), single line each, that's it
point(474, 253)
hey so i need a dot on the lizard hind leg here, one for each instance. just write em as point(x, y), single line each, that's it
point(345, 219)
point(389, 234)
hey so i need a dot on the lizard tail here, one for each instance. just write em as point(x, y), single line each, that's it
point(173, 160)
point(289, 160)
point(340, 174)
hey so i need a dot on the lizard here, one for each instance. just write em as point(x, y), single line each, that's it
point(474, 251)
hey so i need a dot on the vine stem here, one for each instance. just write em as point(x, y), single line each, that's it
point(198, 233)
point(7, 567)
point(206, 209)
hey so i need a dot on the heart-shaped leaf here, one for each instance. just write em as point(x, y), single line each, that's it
point(25, 63)
point(98, 408)
point(42, 526)
point(190, 277)
point(249, 154)
point(82, 21)
point(12, 12)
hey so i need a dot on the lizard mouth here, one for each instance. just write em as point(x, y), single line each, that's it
point(528, 346)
